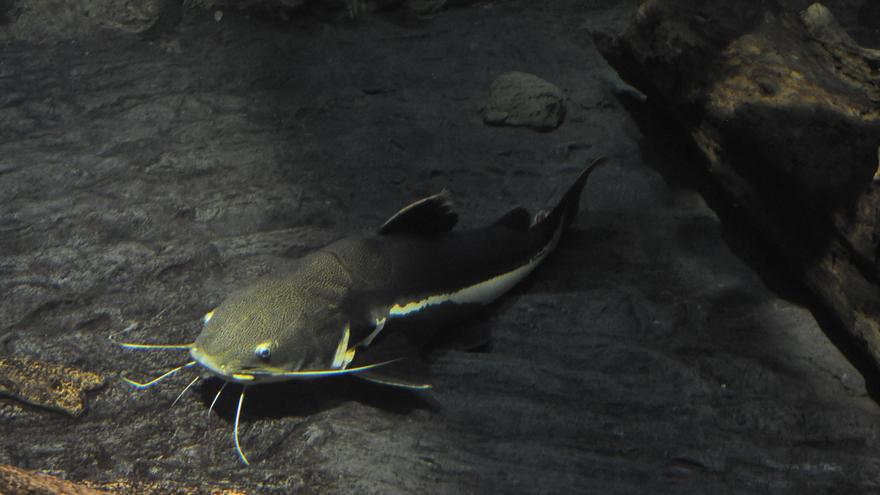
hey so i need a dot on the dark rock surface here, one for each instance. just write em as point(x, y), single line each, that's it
point(44, 21)
point(140, 181)
point(786, 108)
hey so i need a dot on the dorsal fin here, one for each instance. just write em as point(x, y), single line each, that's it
point(429, 215)
point(517, 219)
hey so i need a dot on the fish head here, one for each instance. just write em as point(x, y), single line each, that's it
point(273, 330)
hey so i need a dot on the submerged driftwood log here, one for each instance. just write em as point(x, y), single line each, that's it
point(17, 481)
point(785, 106)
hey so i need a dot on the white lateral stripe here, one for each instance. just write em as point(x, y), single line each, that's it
point(479, 293)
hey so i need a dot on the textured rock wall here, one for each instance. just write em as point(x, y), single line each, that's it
point(49, 20)
point(46, 21)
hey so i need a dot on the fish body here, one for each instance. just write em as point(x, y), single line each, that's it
point(332, 313)
point(366, 305)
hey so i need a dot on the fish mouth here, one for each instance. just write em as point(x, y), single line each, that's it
point(244, 376)
point(209, 364)
point(261, 375)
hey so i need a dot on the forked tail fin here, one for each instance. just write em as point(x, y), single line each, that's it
point(566, 210)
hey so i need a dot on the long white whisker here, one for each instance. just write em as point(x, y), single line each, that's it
point(127, 329)
point(331, 372)
point(217, 397)
point(156, 380)
point(159, 315)
point(184, 391)
point(133, 345)
point(235, 431)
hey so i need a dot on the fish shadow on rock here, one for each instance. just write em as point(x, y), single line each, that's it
point(583, 260)
point(309, 397)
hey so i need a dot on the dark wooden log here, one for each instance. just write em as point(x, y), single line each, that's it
point(785, 106)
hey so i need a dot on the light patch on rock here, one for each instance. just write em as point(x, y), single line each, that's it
point(425, 7)
point(51, 386)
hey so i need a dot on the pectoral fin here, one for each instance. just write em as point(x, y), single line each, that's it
point(408, 371)
point(343, 355)
point(402, 374)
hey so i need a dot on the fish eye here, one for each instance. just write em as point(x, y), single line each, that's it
point(262, 351)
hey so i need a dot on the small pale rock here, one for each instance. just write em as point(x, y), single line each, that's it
point(52, 386)
point(521, 99)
